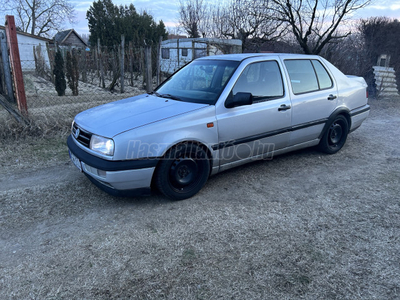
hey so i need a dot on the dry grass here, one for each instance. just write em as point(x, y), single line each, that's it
point(33, 152)
point(302, 226)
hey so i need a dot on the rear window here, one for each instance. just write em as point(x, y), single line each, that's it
point(307, 75)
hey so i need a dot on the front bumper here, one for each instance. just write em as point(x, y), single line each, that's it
point(114, 177)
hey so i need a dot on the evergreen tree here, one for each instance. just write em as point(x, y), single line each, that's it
point(72, 73)
point(58, 72)
point(103, 22)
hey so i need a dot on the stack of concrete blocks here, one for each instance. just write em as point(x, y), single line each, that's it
point(385, 78)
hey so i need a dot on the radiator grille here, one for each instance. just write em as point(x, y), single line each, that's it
point(82, 136)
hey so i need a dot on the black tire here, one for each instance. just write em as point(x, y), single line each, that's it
point(335, 135)
point(183, 171)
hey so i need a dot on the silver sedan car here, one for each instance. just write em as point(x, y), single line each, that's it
point(216, 113)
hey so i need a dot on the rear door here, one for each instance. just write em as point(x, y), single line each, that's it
point(254, 131)
point(314, 97)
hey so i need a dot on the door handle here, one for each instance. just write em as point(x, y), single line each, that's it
point(332, 97)
point(284, 107)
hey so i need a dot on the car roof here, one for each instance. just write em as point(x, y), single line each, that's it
point(243, 56)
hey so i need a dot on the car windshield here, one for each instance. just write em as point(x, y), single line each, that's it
point(201, 81)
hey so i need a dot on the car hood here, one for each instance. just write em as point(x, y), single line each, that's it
point(116, 117)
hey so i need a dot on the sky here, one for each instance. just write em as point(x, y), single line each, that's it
point(167, 11)
point(378, 8)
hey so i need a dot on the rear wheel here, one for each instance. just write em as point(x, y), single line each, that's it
point(183, 171)
point(335, 136)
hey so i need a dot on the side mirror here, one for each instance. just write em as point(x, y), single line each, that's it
point(239, 99)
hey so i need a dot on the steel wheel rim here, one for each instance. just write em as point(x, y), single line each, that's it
point(183, 172)
point(335, 134)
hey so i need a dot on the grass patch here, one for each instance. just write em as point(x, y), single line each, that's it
point(188, 256)
point(49, 114)
point(33, 152)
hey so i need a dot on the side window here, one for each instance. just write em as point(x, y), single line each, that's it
point(184, 52)
point(262, 79)
point(324, 80)
point(253, 73)
point(302, 76)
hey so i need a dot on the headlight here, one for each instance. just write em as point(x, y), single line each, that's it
point(102, 145)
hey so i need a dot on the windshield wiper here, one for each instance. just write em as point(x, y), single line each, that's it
point(168, 96)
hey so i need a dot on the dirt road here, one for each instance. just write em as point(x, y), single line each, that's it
point(304, 225)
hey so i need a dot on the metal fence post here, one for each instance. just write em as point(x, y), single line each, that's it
point(12, 41)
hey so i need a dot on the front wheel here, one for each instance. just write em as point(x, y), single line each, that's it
point(183, 171)
point(335, 136)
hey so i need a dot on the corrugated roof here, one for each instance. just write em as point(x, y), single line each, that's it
point(62, 36)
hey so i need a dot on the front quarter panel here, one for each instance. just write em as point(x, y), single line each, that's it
point(154, 140)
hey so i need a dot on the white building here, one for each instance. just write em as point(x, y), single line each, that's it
point(30, 45)
point(178, 52)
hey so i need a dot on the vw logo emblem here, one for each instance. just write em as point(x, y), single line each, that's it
point(77, 132)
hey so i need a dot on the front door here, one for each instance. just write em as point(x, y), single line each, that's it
point(255, 131)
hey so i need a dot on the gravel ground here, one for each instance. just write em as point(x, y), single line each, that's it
point(302, 226)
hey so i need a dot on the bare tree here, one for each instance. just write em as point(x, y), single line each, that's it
point(315, 23)
point(348, 54)
point(217, 22)
point(40, 17)
point(194, 17)
point(251, 21)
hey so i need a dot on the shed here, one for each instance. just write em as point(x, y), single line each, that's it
point(176, 53)
point(32, 49)
point(70, 38)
